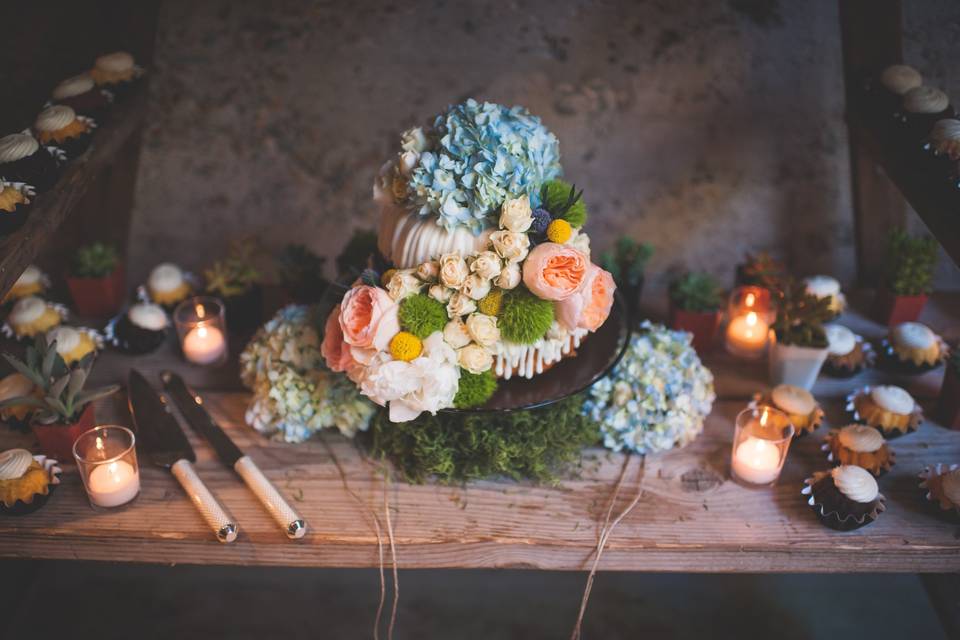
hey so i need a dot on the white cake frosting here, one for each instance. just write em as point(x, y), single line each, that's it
point(148, 316)
point(14, 463)
point(893, 399)
point(27, 310)
point(67, 339)
point(407, 239)
point(116, 62)
point(900, 78)
point(17, 146)
point(945, 131)
point(856, 483)
point(532, 359)
point(31, 275)
point(913, 335)
point(925, 100)
point(860, 438)
point(55, 118)
point(822, 286)
point(950, 483)
point(15, 385)
point(793, 399)
point(841, 340)
point(165, 277)
point(75, 86)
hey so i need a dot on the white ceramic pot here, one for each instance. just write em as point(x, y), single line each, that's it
point(798, 366)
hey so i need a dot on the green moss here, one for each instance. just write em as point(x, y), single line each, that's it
point(455, 447)
point(475, 389)
point(562, 201)
point(524, 318)
point(421, 315)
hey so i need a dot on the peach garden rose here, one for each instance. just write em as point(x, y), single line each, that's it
point(589, 308)
point(555, 271)
point(333, 349)
point(368, 318)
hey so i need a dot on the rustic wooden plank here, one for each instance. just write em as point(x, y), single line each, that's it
point(691, 518)
point(19, 249)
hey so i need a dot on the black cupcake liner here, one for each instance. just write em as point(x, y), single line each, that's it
point(95, 103)
point(831, 517)
point(40, 170)
point(74, 147)
point(917, 126)
point(21, 508)
point(933, 502)
point(121, 91)
point(10, 221)
point(131, 339)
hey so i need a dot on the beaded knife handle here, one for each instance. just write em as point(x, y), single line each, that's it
point(289, 520)
point(222, 523)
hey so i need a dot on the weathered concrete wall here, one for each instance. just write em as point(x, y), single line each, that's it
point(704, 127)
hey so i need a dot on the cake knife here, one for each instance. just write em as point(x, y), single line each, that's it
point(162, 440)
point(193, 411)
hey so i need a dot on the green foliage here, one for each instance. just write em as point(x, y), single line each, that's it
point(800, 317)
point(237, 273)
point(911, 261)
point(627, 261)
point(524, 318)
point(301, 271)
point(353, 258)
point(762, 270)
point(697, 292)
point(63, 397)
point(455, 447)
point(475, 389)
point(96, 260)
point(563, 201)
point(421, 315)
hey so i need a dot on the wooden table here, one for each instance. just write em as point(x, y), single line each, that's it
point(691, 517)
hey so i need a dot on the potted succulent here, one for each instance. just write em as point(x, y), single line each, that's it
point(626, 263)
point(948, 409)
point(63, 409)
point(301, 274)
point(96, 280)
point(798, 341)
point(237, 281)
point(911, 261)
point(761, 270)
point(695, 303)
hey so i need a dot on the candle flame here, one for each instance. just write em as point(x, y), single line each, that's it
point(763, 417)
point(99, 443)
point(201, 312)
point(750, 299)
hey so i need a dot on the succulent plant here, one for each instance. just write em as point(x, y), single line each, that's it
point(62, 395)
point(236, 273)
point(96, 260)
point(696, 292)
point(911, 261)
point(800, 317)
point(627, 261)
point(762, 270)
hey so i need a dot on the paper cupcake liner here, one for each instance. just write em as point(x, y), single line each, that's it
point(916, 416)
point(40, 170)
point(122, 90)
point(881, 470)
point(140, 341)
point(833, 518)
point(20, 508)
point(143, 294)
point(814, 421)
point(942, 507)
point(893, 363)
point(7, 330)
point(74, 147)
point(10, 221)
point(838, 370)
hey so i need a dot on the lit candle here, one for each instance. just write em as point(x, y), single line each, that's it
point(113, 484)
point(203, 344)
point(747, 335)
point(757, 461)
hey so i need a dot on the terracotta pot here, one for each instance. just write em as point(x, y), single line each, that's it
point(893, 309)
point(948, 408)
point(798, 366)
point(702, 324)
point(98, 297)
point(56, 440)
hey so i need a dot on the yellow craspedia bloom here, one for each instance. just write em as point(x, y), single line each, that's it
point(491, 303)
point(559, 231)
point(387, 276)
point(405, 346)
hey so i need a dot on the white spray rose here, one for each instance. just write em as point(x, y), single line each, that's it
point(460, 305)
point(428, 271)
point(440, 293)
point(403, 283)
point(475, 286)
point(387, 380)
point(510, 277)
point(475, 358)
point(486, 264)
point(408, 162)
point(515, 214)
point(510, 245)
point(455, 334)
point(413, 139)
point(453, 270)
point(483, 329)
point(580, 241)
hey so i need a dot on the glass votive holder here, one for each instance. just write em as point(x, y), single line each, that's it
point(107, 460)
point(761, 440)
point(745, 299)
point(202, 329)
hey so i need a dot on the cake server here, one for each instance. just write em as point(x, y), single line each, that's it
point(193, 411)
point(160, 437)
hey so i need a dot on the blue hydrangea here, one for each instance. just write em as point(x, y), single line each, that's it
point(657, 397)
point(477, 155)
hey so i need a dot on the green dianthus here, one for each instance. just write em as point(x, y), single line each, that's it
point(421, 315)
point(475, 389)
point(562, 201)
point(524, 318)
